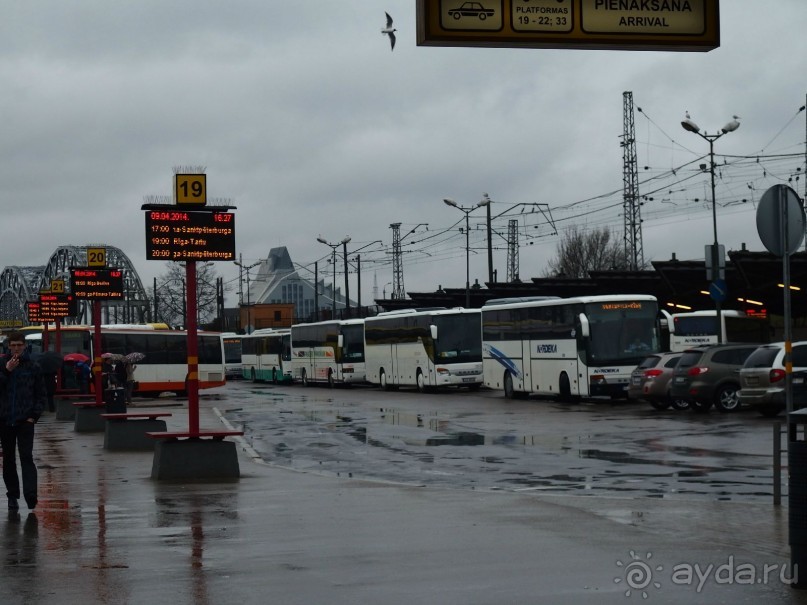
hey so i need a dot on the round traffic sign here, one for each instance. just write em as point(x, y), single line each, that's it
point(780, 220)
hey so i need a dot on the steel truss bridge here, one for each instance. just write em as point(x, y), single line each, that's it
point(19, 285)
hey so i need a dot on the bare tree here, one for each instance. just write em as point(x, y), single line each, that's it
point(581, 251)
point(171, 294)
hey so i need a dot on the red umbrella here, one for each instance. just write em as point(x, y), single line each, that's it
point(76, 357)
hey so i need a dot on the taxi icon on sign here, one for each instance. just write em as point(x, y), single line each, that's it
point(471, 9)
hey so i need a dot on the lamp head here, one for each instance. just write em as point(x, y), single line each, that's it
point(321, 241)
point(484, 202)
point(731, 126)
point(450, 202)
point(346, 240)
point(690, 125)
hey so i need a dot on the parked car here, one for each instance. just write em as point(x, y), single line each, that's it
point(650, 381)
point(710, 375)
point(762, 378)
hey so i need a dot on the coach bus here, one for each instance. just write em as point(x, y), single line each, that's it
point(232, 355)
point(165, 365)
point(266, 356)
point(328, 352)
point(695, 328)
point(427, 349)
point(567, 347)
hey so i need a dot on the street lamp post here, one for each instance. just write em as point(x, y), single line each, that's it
point(467, 211)
point(247, 268)
point(691, 126)
point(333, 248)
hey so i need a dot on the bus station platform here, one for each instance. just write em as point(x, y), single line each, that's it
point(105, 532)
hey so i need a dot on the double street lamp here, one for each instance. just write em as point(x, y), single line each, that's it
point(691, 126)
point(467, 211)
point(333, 247)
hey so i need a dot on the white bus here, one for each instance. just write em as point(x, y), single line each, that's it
point(232, 355)
point(330, 352)
point(427, 349)
point(567, 347)
point(695, 328)
point(266, 356)
point(165, 366)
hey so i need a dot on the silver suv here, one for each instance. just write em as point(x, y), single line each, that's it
point(762, 378)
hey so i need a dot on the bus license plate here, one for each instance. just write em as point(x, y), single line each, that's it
point(469, 379)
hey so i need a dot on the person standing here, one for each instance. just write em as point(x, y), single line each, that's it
point(130, 381)
point(22, 400)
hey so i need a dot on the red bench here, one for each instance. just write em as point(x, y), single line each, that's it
point(176, 435)
point(136, 415)
point(127, 431)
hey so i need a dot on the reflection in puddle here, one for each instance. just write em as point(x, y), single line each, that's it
point(441, 448)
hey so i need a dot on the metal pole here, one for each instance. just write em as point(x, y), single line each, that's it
point(347, 285)
point(716, 247)
point(788, 360)
point(490, 246)
point(358, 282)
point(316, 290)
point(193, 350)
point(467, 262)
point(333, 283)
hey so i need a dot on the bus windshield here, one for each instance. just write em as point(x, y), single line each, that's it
point(622, 333)
point(353, 343)
point(458, 338)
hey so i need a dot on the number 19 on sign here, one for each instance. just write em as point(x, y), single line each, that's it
point(190, 189)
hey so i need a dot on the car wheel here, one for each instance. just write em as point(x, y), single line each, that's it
point(660, 404)
point(700, 406)
point(679, 404)
point(482, 16)
point(727, 399)
point(456, 16)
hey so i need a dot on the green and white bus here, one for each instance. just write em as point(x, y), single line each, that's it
point(266, 356)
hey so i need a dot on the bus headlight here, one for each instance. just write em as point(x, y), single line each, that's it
point(598, 379)
point(442, 371)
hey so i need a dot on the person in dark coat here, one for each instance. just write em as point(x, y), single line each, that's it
point(22, 400)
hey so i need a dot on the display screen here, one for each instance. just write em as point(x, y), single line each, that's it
point(179, 235)
point(55, 306)
point(102, 284)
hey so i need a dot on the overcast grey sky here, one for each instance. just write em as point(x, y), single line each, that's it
point(311, 126)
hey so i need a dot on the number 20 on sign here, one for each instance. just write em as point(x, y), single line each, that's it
point(190, 189)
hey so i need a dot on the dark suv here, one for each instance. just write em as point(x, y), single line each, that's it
point(710, 375)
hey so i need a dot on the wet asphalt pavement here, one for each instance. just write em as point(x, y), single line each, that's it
point(442, 521)
point(480, 440)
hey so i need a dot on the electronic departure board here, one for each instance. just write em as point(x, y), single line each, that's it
point(101, 284)
point(179, 235)
point(56, 306)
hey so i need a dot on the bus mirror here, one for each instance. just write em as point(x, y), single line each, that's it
point(340, 341)
point(433, 330)
point(585, 331)
point(666, 321)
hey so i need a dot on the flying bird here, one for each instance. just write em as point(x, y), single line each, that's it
point(390, 31)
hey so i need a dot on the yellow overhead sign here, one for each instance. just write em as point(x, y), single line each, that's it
point(594, 24)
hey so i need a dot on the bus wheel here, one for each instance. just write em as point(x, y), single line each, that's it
point(565, 390)
point(330, 379)
point(383, 380)
point(304, 378)
point(421, 382)
point(509, 392)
